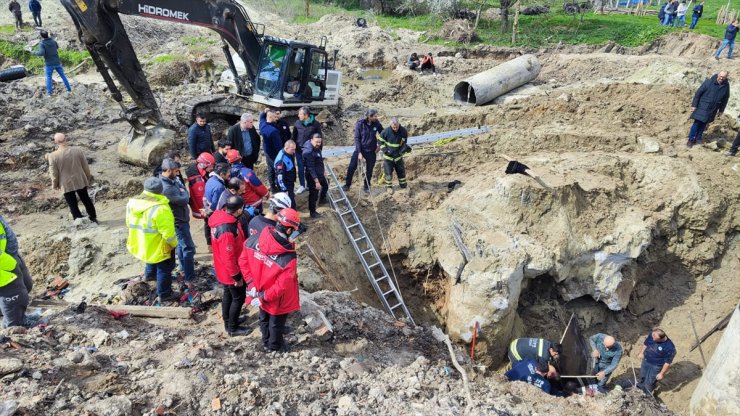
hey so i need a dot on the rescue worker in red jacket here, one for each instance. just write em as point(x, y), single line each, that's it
point(269, 260)
point(197, 174)
point(227, 238)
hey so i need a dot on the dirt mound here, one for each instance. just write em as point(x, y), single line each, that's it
point(683, 44)
point(168, 74)
point(458, 31)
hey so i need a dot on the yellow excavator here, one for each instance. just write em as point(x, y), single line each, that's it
point(262, 69)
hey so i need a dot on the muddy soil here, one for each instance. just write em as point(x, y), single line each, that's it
point(588, 103)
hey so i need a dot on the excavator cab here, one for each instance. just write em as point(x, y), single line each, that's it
point(293, 74)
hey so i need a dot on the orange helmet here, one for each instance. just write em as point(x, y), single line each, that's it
point(233, 156)
point(289, 218)
point(206, 159)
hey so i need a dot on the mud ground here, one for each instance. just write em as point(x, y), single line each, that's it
point(587, 102)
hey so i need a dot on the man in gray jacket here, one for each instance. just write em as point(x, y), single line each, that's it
point(178, 195)
point(607, 352)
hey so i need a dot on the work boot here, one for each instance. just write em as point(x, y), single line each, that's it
point(316, 215)
point(239, 332)
point(171, 297)
point(689, 145)
point(729, 153)
point(345, 188)
point(716, 57)
point(366, 190)
point(301, 189)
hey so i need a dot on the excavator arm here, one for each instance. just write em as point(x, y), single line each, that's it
point(100, 29)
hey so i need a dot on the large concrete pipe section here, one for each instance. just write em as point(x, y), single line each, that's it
point(486, 86)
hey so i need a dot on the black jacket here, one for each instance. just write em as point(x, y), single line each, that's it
point(710, 99)
point(303, 132)
point(235, 137)
point(698, 10)
point(313, 162)
point(284, 129)
point(393, 143)
point(365, 133)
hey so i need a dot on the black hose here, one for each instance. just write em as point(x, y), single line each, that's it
point(11, 74)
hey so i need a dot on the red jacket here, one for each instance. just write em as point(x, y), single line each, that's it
point(197, 178)
point(272, 267)
point(227, 238)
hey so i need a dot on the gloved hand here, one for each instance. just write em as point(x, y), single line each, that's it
point(255, 302)
point(252, 293)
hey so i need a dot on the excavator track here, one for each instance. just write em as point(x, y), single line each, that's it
point(186, 112)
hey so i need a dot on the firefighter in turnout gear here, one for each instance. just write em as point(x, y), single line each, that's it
point(393, 143)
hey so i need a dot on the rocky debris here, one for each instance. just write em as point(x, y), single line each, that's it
point(10, 365)
point(459, 31)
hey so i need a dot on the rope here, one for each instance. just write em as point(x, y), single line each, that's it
point(386, 246)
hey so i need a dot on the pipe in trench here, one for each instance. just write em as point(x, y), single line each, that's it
point(484, 87)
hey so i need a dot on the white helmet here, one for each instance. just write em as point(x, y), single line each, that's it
point(279, 201)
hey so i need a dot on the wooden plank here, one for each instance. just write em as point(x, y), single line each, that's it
point(171, 312)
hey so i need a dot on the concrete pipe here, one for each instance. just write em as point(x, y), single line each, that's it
point(484, 87)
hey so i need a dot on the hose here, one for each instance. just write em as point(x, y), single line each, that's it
point(12, 74)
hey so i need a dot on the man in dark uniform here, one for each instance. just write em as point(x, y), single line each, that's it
point(393, 143)
point(535, 349)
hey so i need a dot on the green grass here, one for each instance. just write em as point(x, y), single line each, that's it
point(534, 31)
point(35, 64)
point(163, 59)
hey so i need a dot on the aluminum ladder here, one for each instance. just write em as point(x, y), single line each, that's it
point(382, 282)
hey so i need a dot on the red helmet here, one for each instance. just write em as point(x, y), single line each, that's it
point(233, 156)
point(206, 159)
point(289, 218)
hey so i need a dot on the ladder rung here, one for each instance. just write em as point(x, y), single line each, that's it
point(397, 305)
point(389, 292)
point(353, 225)
point(345, 212)
point(367, 251)
point(381, 278)
point(373, 265)
point(340, 199)
point(358, 239)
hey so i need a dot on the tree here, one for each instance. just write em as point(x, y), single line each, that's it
point(505, 4)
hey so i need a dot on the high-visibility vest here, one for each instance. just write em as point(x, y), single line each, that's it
point(151, 227)
point(7, 262)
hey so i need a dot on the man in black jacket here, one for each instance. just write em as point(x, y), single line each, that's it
point(729, 40)
point(175, 191)
point(317, 184)
point(303, 130)
point(224, 145)
point(243, 137)
point(393, 143)
point(696, 14)
point(366, 147)
point(709, 101)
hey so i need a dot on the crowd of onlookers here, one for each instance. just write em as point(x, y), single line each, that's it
point(673, 13)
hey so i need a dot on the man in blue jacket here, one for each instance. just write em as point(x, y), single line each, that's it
point(534, 373)
point(657, 355)
point(35, 7)
point(366, 147)
point(729, 40)
point(200, 138)
point(215, 185)
point(286, 172)
point(271, 143)
point(49, 49)
point(696, 14)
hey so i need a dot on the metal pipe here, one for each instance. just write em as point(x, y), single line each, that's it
point(484, 87)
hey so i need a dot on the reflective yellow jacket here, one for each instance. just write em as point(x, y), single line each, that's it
point(7, 262)
point(151, 227)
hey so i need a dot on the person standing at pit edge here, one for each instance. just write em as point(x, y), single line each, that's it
point(35, 7)
point(151, 236)
point(69, 172)
point(49, 49)
point(709, 101)
point(696, 15)
point(15, 8)
point(366, 147)
point(269, 260)
point(729, 40)
point(393, 143)
point(178, 195)
point(657, 354)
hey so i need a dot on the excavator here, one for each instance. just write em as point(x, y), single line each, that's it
point(262, 71)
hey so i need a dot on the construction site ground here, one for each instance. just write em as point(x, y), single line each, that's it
point(604, 127)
